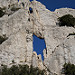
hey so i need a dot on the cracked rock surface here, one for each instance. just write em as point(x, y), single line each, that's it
point(20, 26)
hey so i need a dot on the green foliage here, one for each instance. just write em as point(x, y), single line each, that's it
point(1, 12)
point(69, 69)
point(2, 8)
point(67, 20)
point(22, 70)
point(2, 39)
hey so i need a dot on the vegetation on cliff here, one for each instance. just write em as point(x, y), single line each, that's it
point(21, 70)
point(2, 12)
point(69, 69)
point(2, 39)
point(67, 20)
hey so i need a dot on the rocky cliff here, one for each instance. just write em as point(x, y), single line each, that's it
point(21, 20)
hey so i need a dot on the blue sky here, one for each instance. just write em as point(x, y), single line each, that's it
point(39, 44)
point(54, 4)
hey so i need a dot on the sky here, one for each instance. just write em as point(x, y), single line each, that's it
point(55, 4)
point(39, 44)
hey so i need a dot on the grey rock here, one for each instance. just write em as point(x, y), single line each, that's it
point(20, 26)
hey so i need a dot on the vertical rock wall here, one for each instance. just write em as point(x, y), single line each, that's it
point(20, 26)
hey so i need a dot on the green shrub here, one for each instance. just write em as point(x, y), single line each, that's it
point(22, 70)
point(67, 20)
point(4, 70)
point(4, 8)
point(2, 39)
point(69, 69)
point(1, 12)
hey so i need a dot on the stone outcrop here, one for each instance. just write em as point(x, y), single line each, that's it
point(37, 61)
point(19, 26)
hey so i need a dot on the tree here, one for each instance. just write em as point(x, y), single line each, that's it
point(21, 70)
point(67, 20)
point(69, 69)
point(1, 12)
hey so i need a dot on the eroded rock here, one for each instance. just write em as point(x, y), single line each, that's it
point(20, 27)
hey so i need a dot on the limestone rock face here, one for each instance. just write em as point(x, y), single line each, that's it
point(18, 46)
point(6, 3)
point(63, 53)
point(19, 26)
point(37, 61)
point(63, 11)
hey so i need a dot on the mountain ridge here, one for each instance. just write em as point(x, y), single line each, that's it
point(20, 25)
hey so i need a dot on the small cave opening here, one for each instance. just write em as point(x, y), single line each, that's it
point(29, 19)
point(39, 45)
point(38, 57)
point(22, 4)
